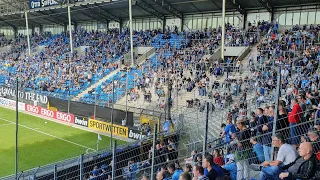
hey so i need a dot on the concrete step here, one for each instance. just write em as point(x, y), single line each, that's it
point(76, 98)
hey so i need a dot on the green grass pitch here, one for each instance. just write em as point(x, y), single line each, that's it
point(41, 143)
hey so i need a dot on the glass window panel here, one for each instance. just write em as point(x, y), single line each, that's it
point(304, 18)
point(296, 18)
point(194, 24)
point(205, 23)
point(146, 25)
point(226, 20)
point(311, 17)
point(318, 17)
point(214, 22)
point(231, 20)
point(289, 19)
point(236, 21)
point(219, 22)
point(134, 26)
point(282, 19)
point(159, 25)
point(151, 25)
point(209, 22)
point(189, 24)
point(199, 24)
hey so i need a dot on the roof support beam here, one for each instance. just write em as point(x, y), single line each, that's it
point(56, 19)
point(195, 7)
point(104, 17)
point(84, 12)
point(94, 13)
point(265, 4)
point(5, 22)
point(236, 5)
point(168, 7)
point(216, 4)
point(146, 7)
point(112, 16)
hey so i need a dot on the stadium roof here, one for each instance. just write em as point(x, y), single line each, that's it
point(11, 11)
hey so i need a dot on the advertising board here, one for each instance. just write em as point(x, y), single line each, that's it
point(12, 104)
point(29, 96)
point(81, 121)
point(60, 116)
point(106, 128)
point(136, 135)
point(33, 4)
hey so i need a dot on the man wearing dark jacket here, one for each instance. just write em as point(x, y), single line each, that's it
point(264, 129)
point(304, 167)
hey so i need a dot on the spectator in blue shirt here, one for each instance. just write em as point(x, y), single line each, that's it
point(95, 171)
point(175, 173)
point(228, 131)
point(132, 170)
point(231, 167)
point(258, 150)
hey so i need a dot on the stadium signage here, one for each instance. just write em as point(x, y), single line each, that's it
point(12, 104)
point(81, 121)
point(61, 116)
point(106, 128)
point(136, 135)
point(23, 95)
point(42, 3)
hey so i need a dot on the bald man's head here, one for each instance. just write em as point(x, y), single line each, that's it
point(305, 150)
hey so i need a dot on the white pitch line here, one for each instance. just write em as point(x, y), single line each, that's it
point(48, 134)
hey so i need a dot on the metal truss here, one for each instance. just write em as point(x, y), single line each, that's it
point(109, 15)
point(236, 5)
point(148, 8)
point(265, 4)
point(168, 7)
point(216, 4)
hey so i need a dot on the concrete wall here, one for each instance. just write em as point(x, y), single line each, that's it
point(142, 50)
point(37, 50)
point(81, 50)
point(5, 48)
point(233, 51)
point(216, 55)
point(244, 53)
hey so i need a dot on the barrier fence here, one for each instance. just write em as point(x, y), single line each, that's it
point(117, 157)
point(37, 136)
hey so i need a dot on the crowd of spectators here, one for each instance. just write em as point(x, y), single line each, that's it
point(246, 141)
point(249, 134)
point(188, 66)
point(53, 72)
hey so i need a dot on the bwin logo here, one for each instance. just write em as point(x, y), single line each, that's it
point(136, 136)
point(81, 122)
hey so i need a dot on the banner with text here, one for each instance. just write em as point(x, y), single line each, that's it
point(87, 110)
point(60, 116)
point(136, 135)
point(12, 104)
point(82, 121)
point(30, 96)
point(42, 3)
point(106, 128)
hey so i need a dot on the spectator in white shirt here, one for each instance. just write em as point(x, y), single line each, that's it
point(286, 154)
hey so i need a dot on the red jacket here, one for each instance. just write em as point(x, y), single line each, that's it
point(295, 114)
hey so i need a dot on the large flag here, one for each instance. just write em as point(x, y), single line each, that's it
point(99, 137)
